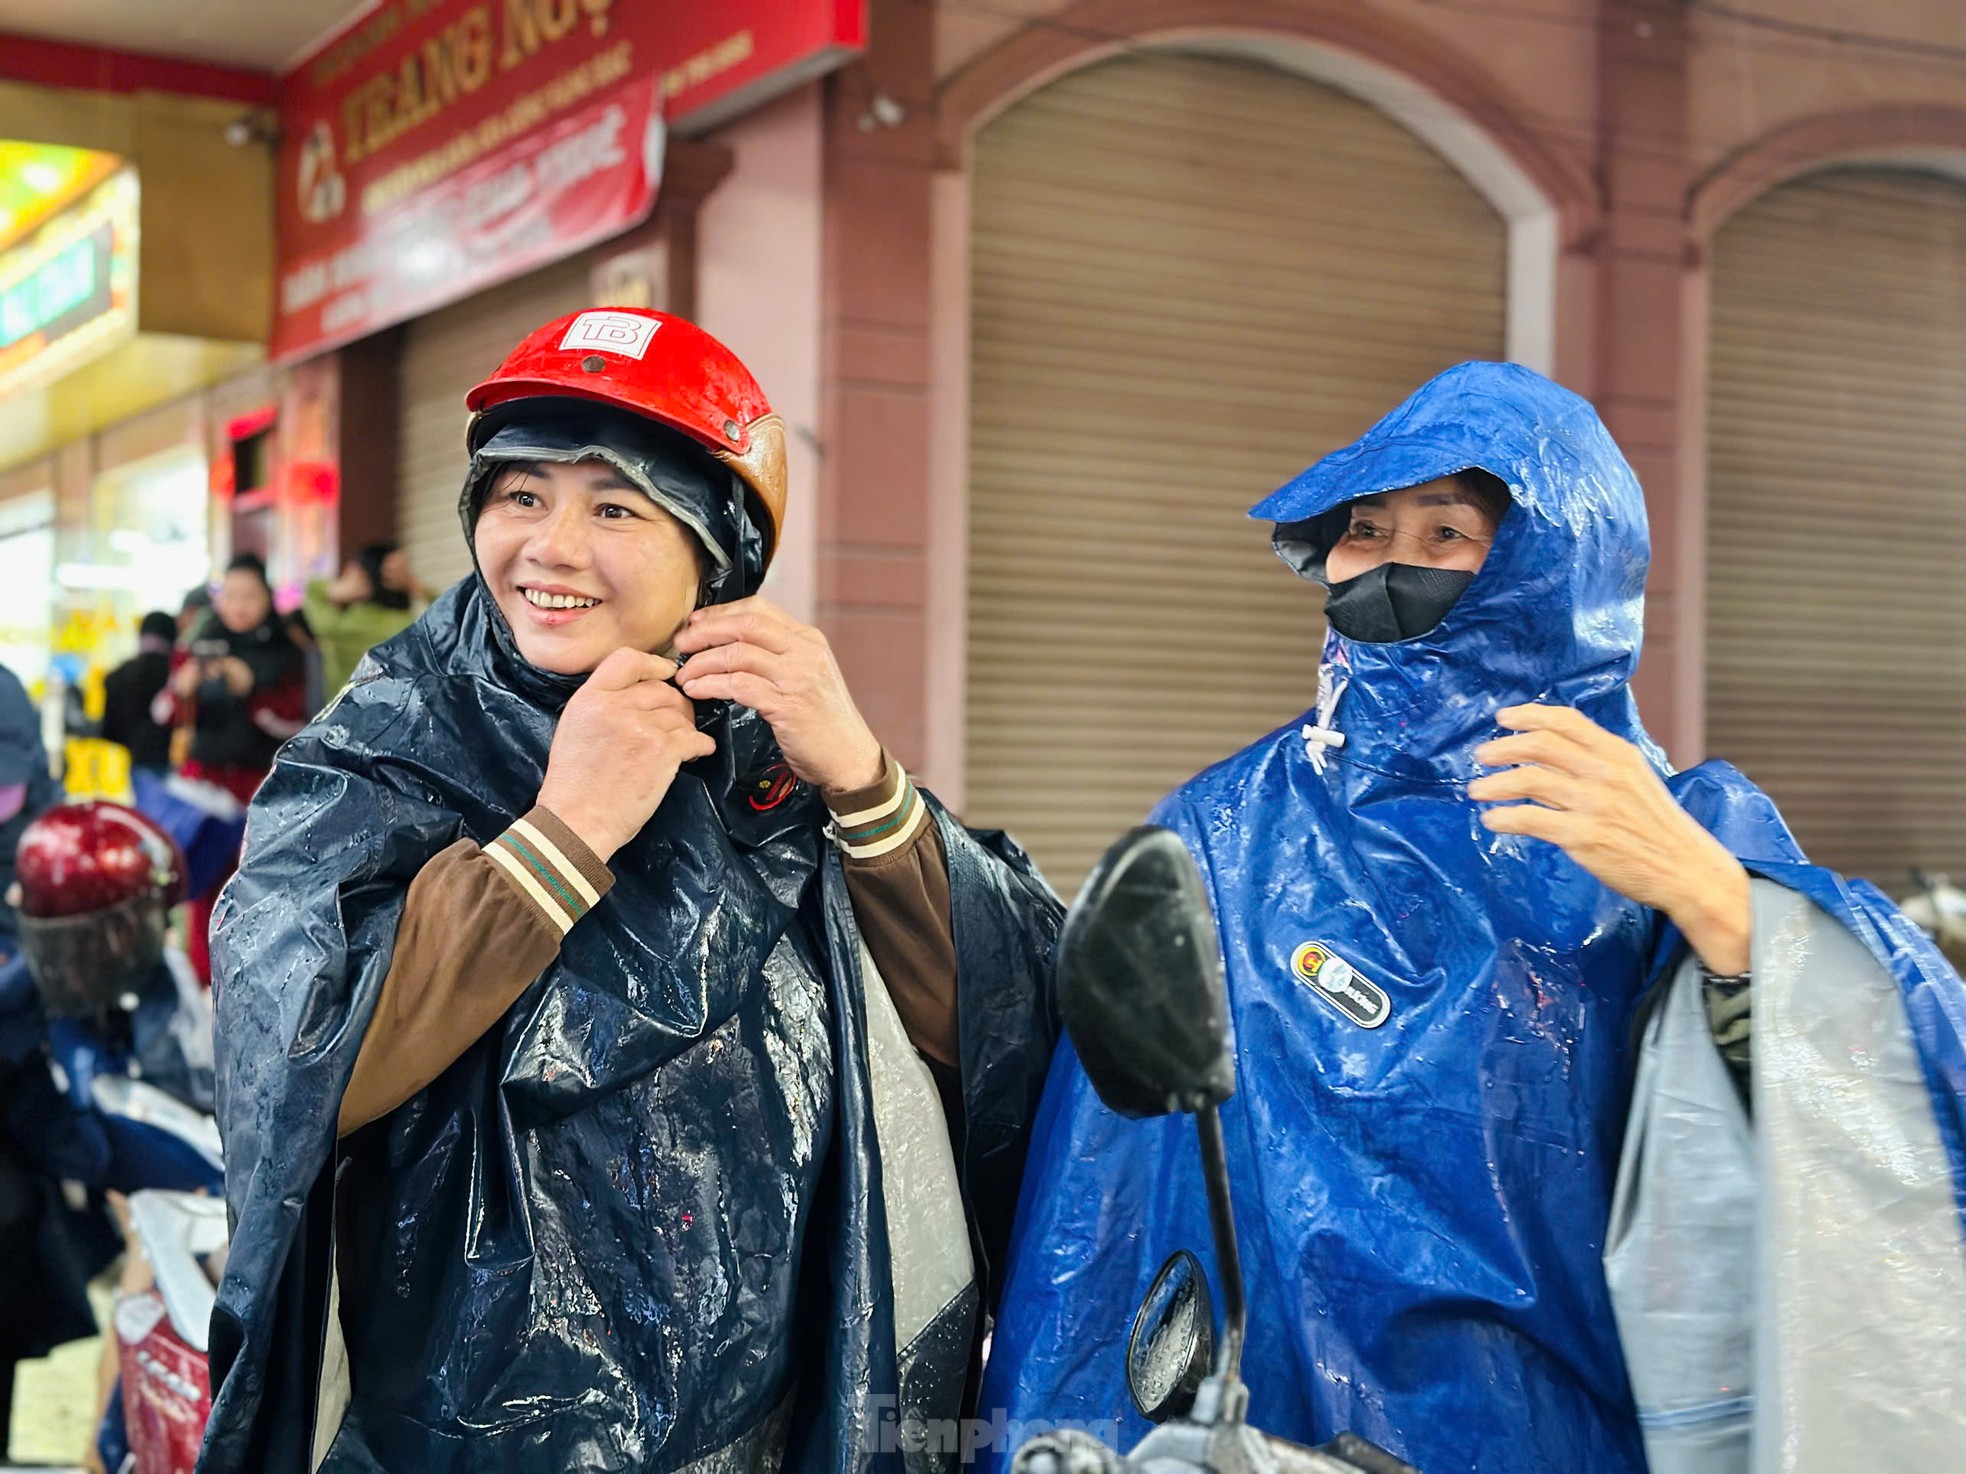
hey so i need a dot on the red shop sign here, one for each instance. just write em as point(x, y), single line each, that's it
point(432, 148)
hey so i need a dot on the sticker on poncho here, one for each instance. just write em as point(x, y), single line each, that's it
point(1335, 980)
point(772, 787)
point(611, 332)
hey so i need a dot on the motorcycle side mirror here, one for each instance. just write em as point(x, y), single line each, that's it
point(1140, 981)
point(1173, 1342)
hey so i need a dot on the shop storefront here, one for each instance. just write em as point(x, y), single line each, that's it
point(131, 331)
point(454, 174)
point(27, 570)
point(131, 518)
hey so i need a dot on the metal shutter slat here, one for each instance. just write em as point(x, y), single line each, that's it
point(1190, 277)
point(1837, 514)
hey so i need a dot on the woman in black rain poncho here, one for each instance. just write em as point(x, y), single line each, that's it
point(593, 1098)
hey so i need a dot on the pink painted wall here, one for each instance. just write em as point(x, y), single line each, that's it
point(1747, 81)
point(1543, 51)
point(758, 289)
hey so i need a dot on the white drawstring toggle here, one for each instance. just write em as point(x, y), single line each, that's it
point(1322, 737)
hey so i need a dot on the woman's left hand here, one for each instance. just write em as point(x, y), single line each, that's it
point(1596, 798)
point(754, 653)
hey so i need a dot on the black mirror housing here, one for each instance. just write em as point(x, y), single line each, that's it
point(1140, 981)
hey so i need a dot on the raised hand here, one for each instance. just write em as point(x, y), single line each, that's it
point(622, 737)
point(1597, 798)
point(754, 653)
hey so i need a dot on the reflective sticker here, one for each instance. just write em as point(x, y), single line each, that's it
point(624, 333)
point(1335, 980)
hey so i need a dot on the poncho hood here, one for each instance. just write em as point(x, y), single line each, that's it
point(1556, 613)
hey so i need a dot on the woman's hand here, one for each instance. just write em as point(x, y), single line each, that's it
point(189, 677)
point(616, 750)
point(1596, 798)
point(352, 587)
point(237, 675)
point(754, 653)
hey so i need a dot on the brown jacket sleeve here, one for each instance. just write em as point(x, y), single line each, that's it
point(478, 926)
point(898, 879)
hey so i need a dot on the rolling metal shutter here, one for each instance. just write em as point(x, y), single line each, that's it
point(1191, 278)
point(444, 354)
point(1836, 605)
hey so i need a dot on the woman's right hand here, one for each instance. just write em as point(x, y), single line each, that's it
point(352, 587)
point(189, 677)
point(620, 741)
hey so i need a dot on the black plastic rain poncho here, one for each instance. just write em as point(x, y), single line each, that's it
point(642, 1223)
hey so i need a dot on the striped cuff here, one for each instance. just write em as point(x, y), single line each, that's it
point(551, 867)
point(878, 821)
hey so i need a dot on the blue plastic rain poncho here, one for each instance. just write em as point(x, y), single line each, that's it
point(1434, 1023)
point(648, 1221)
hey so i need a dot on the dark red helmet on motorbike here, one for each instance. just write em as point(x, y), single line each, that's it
point(95, 888)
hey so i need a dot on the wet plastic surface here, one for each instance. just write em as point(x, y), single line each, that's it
point(1433, 1022)
point(646, 1208)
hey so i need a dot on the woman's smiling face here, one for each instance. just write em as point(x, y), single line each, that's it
point(243, 601)
point(582, 563)
point(1437, 524)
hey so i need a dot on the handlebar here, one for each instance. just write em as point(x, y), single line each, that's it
point(1073, 1451)
point(1346, 1452)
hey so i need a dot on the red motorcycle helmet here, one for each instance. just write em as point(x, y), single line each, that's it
point(656, 365)
point(96, 883)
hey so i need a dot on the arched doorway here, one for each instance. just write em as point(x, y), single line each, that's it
point(1836, 613)
point(1190, 277)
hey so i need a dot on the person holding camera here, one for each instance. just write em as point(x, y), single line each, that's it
point(238, 687)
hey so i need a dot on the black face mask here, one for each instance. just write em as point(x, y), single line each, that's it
point(1395, 601)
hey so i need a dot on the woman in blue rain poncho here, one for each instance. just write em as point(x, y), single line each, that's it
point(1442, 896)
point(622, 1066)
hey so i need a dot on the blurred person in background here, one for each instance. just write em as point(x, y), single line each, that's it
point(130, 690)
point(239, 688)
point(27, 786)
point(192, 613)
point(376, 597)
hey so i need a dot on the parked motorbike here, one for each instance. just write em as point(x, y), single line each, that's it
point(1140, 986)
point(105, 1065)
